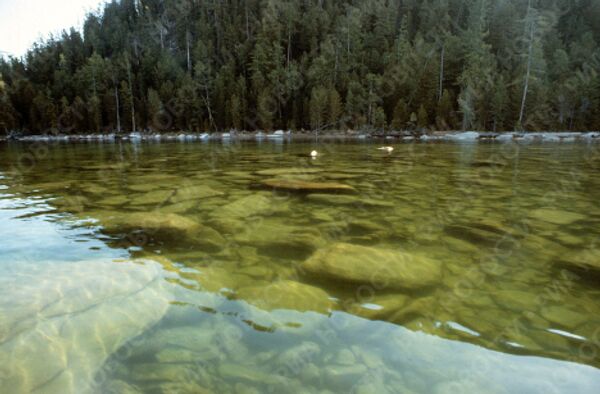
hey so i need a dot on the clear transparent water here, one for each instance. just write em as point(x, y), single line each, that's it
point(171, 267)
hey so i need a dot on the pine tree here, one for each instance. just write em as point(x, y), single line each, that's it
point(356, 103)
point(335, 109)
point(318, 108)
point(265, 110)
point(214, 65)
point(444, 110)
point(422, 118)
point(235, 106)
point(7, 111)
point(379, 121)
point(65, 123)
point(155, 111)
point(401, 115)
point(94, 114)
point(80, 113)
point(476, 77)
point(126, 100)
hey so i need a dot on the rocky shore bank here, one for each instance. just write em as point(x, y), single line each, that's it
point(550, 136)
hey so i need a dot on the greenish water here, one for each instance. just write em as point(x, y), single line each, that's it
point(193, 267)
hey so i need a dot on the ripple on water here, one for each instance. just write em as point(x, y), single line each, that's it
point(511, 269)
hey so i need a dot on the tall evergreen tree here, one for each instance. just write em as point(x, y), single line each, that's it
point(259, 64)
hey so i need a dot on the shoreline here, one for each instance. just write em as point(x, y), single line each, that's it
point(279, 135)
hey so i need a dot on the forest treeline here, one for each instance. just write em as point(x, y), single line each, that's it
point(207, 65)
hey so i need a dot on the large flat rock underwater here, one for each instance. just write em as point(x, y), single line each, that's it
point(386, 267)
point(111, 326)
point(59, 322)
point(237, 347)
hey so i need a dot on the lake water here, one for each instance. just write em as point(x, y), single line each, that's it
point(251, 267)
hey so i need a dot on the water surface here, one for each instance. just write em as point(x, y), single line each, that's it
point(174, 267)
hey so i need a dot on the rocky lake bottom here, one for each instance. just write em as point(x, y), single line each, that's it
point(250, 267)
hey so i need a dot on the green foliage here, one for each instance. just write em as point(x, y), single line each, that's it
point(199, 66)
point(94, 114)
point(422, 118)
point(401, 115)
point(444, 114)
point(265, 109)
point(318, 107)
point(155, 111)
point(335, 109)
point(7, 112)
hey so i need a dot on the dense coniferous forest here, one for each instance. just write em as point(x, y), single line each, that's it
point(208, 65)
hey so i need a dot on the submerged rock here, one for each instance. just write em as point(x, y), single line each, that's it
point(248, 375)
point(195, 192)
point(287, 294)
point(156, 197)
point(357, 201)
point(144, 187)
point(121, 387)
point(556, 216)
point(473, 235)
point(296, 185)
point(254, 204)
point(381, 268)
point(343, 376)
point(585, 259)
point(227, 225)
point(71, 203)
point(289, 171)
point(274, 238)
point(220, 280)
point(155, 223)
point(162, 226)
point(114, 200)
point(379, 308)
point(208, 238)
point(50, 187)
point(146, 372)
point(72, 318)
point(300, 354)
point(340, 175)
point(564, 316)
point(345, 357)
point(93, 188)
point(179, 207)
point(518, 300)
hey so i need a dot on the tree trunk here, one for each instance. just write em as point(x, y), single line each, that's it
point(162, 37)
point(527, 75)
point(247, 20)
point(118, 109)
point(370, 105)
point(208, 107)
point(348, 37)
point(289, 46)
point(441, 89)
point(131, 94)
point(399, 16)
point(335, 68)
point(189, 58)
point(218, 31)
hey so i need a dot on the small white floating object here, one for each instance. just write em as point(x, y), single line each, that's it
point(388, 149)
point(314, 154)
